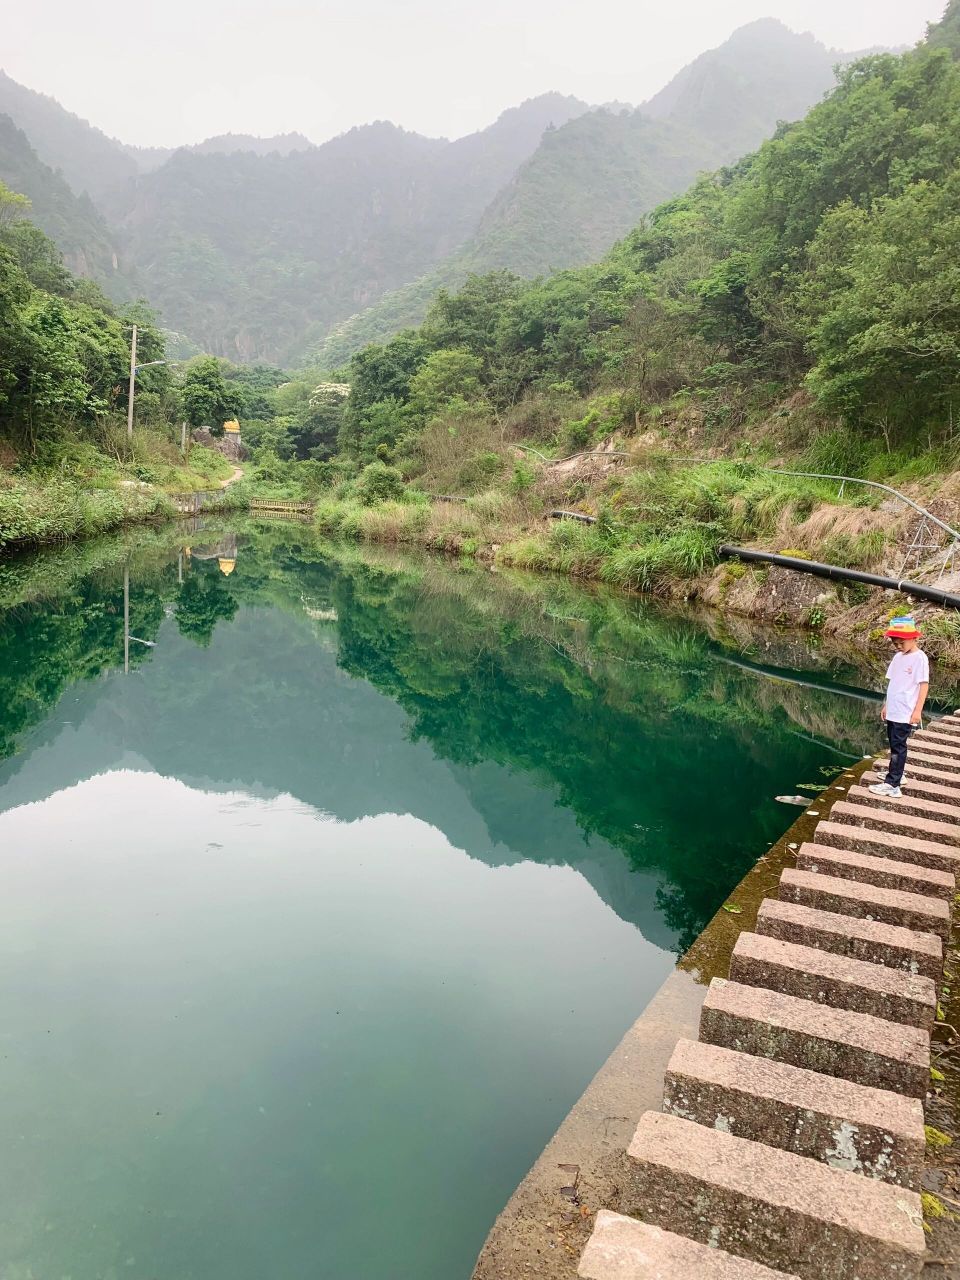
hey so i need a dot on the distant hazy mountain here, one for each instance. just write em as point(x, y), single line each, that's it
point(591, 181)
point(249, 243)
point(226, 143)
point(89, 160)
point(79, 229)
point(258, 248)
point(247, 252)
point(149, 158)
point(584, 186)
point(736, 94)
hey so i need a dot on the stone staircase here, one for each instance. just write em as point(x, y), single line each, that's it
point(791, 1139)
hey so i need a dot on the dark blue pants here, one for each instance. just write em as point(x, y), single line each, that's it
point(897, 735)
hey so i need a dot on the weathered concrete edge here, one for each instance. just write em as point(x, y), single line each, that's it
point(543, 1228)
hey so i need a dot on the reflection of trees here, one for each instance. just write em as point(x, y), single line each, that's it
point(202, 601)
point(667, 754)
point(619, 713)
point(46, 647)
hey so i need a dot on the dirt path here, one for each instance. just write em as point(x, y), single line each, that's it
point(237, 475)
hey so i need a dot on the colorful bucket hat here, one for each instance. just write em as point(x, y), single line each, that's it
point(903, 628)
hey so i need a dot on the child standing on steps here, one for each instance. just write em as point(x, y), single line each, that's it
point(908, 677)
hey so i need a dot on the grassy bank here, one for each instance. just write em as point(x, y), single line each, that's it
point(78, 489)
point(656, 523)
point(659, 521)
point(34, 511)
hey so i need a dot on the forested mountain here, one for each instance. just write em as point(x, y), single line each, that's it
point(88, 245)
point(736, 95)
point(246, 252)
point(89, 160)
point(591, 181)
point(258, 248)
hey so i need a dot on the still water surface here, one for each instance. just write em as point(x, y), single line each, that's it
point(316, 922)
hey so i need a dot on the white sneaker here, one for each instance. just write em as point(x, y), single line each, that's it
point(885, 789)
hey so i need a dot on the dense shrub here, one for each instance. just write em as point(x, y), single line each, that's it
point(378, 482)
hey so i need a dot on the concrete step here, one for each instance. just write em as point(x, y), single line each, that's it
point(885, 872)
point(945, 725)
point(930, 759)
point(915, 802)
point(887, 819)
point(887, 844)
point(845, 1125)
point(624, 1249)
point(845, 935)
point(941, 792)
point(824, 978)
point(943, 743)
point(913, 911)
point(835, 1042)
point(756, 1201)
point(917, 769)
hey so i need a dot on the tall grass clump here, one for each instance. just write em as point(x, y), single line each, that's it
point(577, 548)
point(650, 565)
point(55, 510)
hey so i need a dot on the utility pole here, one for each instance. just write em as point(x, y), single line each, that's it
point(183, 439)
point(133, 379)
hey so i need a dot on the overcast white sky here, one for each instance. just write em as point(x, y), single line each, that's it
point(183, 70)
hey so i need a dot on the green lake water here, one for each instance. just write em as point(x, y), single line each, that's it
point(317, 920)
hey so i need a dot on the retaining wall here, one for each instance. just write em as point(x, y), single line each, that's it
point(764, 1116)
point(790, 1134)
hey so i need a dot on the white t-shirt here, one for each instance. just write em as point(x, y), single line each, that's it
point(906, 673)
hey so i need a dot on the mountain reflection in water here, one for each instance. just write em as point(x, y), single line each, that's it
point(330, 908)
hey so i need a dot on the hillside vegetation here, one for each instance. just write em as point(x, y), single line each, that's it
point(591, 181)
point(255, 249)
point(803, 302)
point(800, 305)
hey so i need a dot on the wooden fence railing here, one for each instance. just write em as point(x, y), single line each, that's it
point(190, 503)
point(278, 504)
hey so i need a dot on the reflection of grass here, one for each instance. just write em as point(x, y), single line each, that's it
point(575, 686)
point(613, 636)
point(44, 575)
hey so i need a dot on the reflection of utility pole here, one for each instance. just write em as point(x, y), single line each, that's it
point(126, 592)
point(127, 637)
point(180, 568)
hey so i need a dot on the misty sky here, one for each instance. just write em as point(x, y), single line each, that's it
point(183, 70)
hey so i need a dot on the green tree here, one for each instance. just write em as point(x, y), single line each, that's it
point(208, 401)
point(887, 320)
point(445, 376)
point(13, 206)
point(382, 373)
